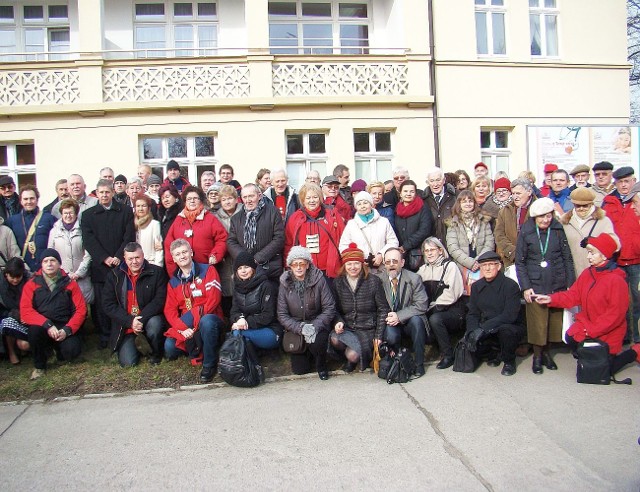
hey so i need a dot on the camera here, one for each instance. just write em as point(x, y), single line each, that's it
point(384, 349)
point(370, 259)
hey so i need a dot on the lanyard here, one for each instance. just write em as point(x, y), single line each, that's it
point(543, 251)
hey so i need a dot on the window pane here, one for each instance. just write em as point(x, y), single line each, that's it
point(58, 12)
point(499, 3)
point(534, 26)
point(152, 148)
point(316, 9)
point(502, 140)
point(184, 40)
point(206, 10)
point(363, 169)
point(283, 35)
point(26, 179)
point(294, 144)
point(207, 37)
point(319, 166)
point(177, 147)
point(383, 142)
point(481, 33)
point(25, 154)
point(58, 42)
point(480, 2)
point(183, 10)
point(550, 4)
point(297, 173)
point(383, 170)
point(358, 10)
point(7, 42)
point(34, 40)
point(204, 146)
point(485, 140)
point(316, 143)
point(282, 8)
point(361, 142)
point(552, 35)
point(499, 45)
point(317, 35)
point(33, 12)
point(502, 163)
point(354, 35)
point(149, 9)
point(150, 37)
point(6, 12)
point(3, 155)
point(533, 3)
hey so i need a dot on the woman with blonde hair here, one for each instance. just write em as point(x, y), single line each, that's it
point(481, 189)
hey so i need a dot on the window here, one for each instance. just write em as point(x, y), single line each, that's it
point(305, 152)
point(41, 32)
point(176, 29)
point(495, 151)
point(543, 23)
point(18, 160)
point(194, 153)
point(490, 35)
point(314, 28)
point(372, 155)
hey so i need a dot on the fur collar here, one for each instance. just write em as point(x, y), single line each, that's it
point(598, 214)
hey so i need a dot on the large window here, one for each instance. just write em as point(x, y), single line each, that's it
point(495, 151)
point(18, 160)
point(305, 152)
point(372, 155)
point(543, 23)
point(490, 35)
point(194, 153)
point(299, 27)
point(176, 29)
point(40, 32)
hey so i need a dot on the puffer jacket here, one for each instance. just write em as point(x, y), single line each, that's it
point(458, 243)
point(317, 308)
point(256, 300)
point(559, 273)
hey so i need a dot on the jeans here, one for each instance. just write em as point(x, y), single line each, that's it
point(128, 354)
point(633, 316)
point(414, 328)
point(39, 340)
point(263, 338)
point(210, 326)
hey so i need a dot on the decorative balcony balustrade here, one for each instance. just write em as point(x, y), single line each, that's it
point(39, 87)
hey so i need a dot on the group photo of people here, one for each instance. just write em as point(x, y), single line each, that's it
point(158, 268)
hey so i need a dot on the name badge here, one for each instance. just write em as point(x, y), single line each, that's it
point(196, 293)
point(313, 243)
point(188, 233)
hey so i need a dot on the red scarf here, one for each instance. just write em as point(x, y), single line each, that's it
point(413, 208)
point(314, 214)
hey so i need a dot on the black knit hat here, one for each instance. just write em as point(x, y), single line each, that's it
point(50, 252)
point(120, 177)
point(244, 258)
point(172, 165)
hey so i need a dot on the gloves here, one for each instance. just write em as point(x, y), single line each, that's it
point(473, 337)
point(309, 332)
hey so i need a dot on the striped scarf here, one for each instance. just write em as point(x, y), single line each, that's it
point(250, 225)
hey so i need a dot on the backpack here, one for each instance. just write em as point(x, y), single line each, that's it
point(238, 364)
point(402, 367)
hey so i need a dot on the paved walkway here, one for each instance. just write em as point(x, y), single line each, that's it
point(445, 431)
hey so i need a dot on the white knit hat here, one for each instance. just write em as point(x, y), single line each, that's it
point(363, 195)
point(298, 253)
point(541, 206)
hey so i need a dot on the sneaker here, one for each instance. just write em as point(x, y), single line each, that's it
point(36, 374)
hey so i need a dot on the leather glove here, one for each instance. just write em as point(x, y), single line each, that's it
point(473, 337)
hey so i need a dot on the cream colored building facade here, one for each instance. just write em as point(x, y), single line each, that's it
point(298, 84)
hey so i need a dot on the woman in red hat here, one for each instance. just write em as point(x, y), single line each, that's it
point(602, 294)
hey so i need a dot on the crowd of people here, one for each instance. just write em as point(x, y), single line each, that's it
point(166, 267)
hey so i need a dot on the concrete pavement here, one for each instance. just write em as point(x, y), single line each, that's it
point(445, 431)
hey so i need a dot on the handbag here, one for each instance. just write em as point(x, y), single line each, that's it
point(293, 343)
point(402, 367)
point(593, 365)
point(464, 359)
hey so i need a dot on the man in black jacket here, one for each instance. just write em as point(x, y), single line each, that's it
point(134, 300)
point(106, 228)
point(494, 311)
point(259, 230)
point(440, 197)
point(9, 199)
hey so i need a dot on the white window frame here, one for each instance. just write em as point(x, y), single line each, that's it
point(541, 13)
point(491, 154)
point(298, 165)
point(46, 49)
point(193, 165)
point(373, 157)
point(487, 9)
point(169, 23)
point(14, 169)
point(335, 21)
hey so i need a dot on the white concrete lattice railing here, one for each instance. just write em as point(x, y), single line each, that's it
point(39, 87)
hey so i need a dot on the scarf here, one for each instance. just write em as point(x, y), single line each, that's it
point(191, 215)
point(68, 227)
point(314, 214)
point(142, 222)
point(580, 221)
point(500, 204)
point(251, 223)
point(299, 286)
point(51, 282)
point(471, 227)
point(367, 218)
point(405, 211)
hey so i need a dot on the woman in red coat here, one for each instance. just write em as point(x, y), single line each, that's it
point(316, 227)
point(603, 296)
point(201, 229)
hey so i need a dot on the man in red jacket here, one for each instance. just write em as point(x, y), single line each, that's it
point(53, 308)
point(193, 311)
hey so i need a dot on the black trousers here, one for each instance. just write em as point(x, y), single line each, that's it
point(101, 320)
point(443, 323)
point(67, 350)
point(508, 338)
point(316, 352)
point(617, 361)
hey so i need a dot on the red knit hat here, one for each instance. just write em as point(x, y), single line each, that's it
point(549, 168)
point(352, 253)
point(502, 183)
point(604, 243)
point(480, 164)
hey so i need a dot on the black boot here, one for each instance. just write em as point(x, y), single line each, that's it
point(536, 367)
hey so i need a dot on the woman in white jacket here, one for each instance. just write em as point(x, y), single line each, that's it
point(372, 233)
point(148, 232)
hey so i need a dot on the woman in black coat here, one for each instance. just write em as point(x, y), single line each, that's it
point(253, 312)
point(413, 224)
point(168, 208)
point(544, 265)
point(362, 309)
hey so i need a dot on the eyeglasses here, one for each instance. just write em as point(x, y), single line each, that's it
point(192, 199)
point(299, 264)
point(576, 205)
point(391, 262)
point(399, 178)
point(491, 264)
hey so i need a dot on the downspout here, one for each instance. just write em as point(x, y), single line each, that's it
point(432, 81)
